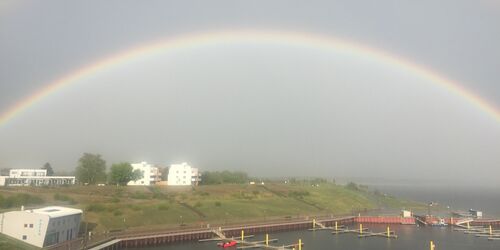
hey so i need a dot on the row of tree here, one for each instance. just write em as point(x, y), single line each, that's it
point(91, 170)
point(224, 177)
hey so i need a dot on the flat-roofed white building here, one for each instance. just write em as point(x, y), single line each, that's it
point(34, 177)
point(42, 227)
point(150, 174)
point(22, 173)
point(183, 175)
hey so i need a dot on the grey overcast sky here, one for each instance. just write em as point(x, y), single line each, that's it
point(267, 109)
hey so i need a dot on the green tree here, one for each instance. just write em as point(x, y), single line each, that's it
point(48, 167)
point(5, 171)
point(91, 169)
point(164, 173)
point(224, 177)
point(122, 173)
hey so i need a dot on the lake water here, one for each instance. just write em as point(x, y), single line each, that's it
point(486, 199)
point(409, 237)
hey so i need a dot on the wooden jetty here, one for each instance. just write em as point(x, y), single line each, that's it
point(480, 231)
point(245, 244)
point(387, 234)
point(316, 225)
point(364, 232)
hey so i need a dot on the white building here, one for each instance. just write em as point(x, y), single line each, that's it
point(183, 175)
point(42, 227)
point(150, 174)
point(34, 177)
point(22, 173)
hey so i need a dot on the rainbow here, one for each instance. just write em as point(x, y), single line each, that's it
point(258, 36)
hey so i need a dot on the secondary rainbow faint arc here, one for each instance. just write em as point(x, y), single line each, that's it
point(259, 36)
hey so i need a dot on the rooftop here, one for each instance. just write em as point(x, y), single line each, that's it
point(55, 211)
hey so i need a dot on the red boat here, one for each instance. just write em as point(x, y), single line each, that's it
point(227, 244)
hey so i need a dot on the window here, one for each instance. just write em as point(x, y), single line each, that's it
point(25, 225)
point(31, 225)
point(25, 237)
point(50, 239)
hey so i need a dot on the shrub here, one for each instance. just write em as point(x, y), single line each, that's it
point(95, 208)
point(184, 197)
point(139, 195)
point(218, 204)
point(19, 200)
point(197, 204)
point(163, 207)
point(135, 207)
point(352, 186)
point(224, 177)
point(118, 192)
point(298, 194)
point(117, 212)
point(62, 197)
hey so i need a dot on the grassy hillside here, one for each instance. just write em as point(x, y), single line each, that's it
point(9, 243)
point(112, 208)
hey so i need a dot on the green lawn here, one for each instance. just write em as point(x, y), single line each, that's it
point(9, 243)
point(111, 208)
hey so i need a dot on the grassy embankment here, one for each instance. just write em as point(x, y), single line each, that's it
point(9, 243)
point(112, 208)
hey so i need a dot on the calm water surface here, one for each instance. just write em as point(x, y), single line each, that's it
point(409, 237)
point(486, 199)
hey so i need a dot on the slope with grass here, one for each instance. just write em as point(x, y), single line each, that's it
point(112, 208)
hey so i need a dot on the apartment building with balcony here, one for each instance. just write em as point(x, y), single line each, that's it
point(150, 174)
point(183, 175)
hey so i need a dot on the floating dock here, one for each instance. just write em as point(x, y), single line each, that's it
point(245, 244)
point(158, 239)
point(479, 231)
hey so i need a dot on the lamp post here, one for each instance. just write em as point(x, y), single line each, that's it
point(429, 208)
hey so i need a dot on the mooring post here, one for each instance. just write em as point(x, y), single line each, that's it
point(242, 235)
point(336, 227)
point(314, 223)
point(491, 230)
point(432, 245)
point(360, 228)
point(388, 232)
point(468, 225)
point(267, 239)
point(300, 244)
